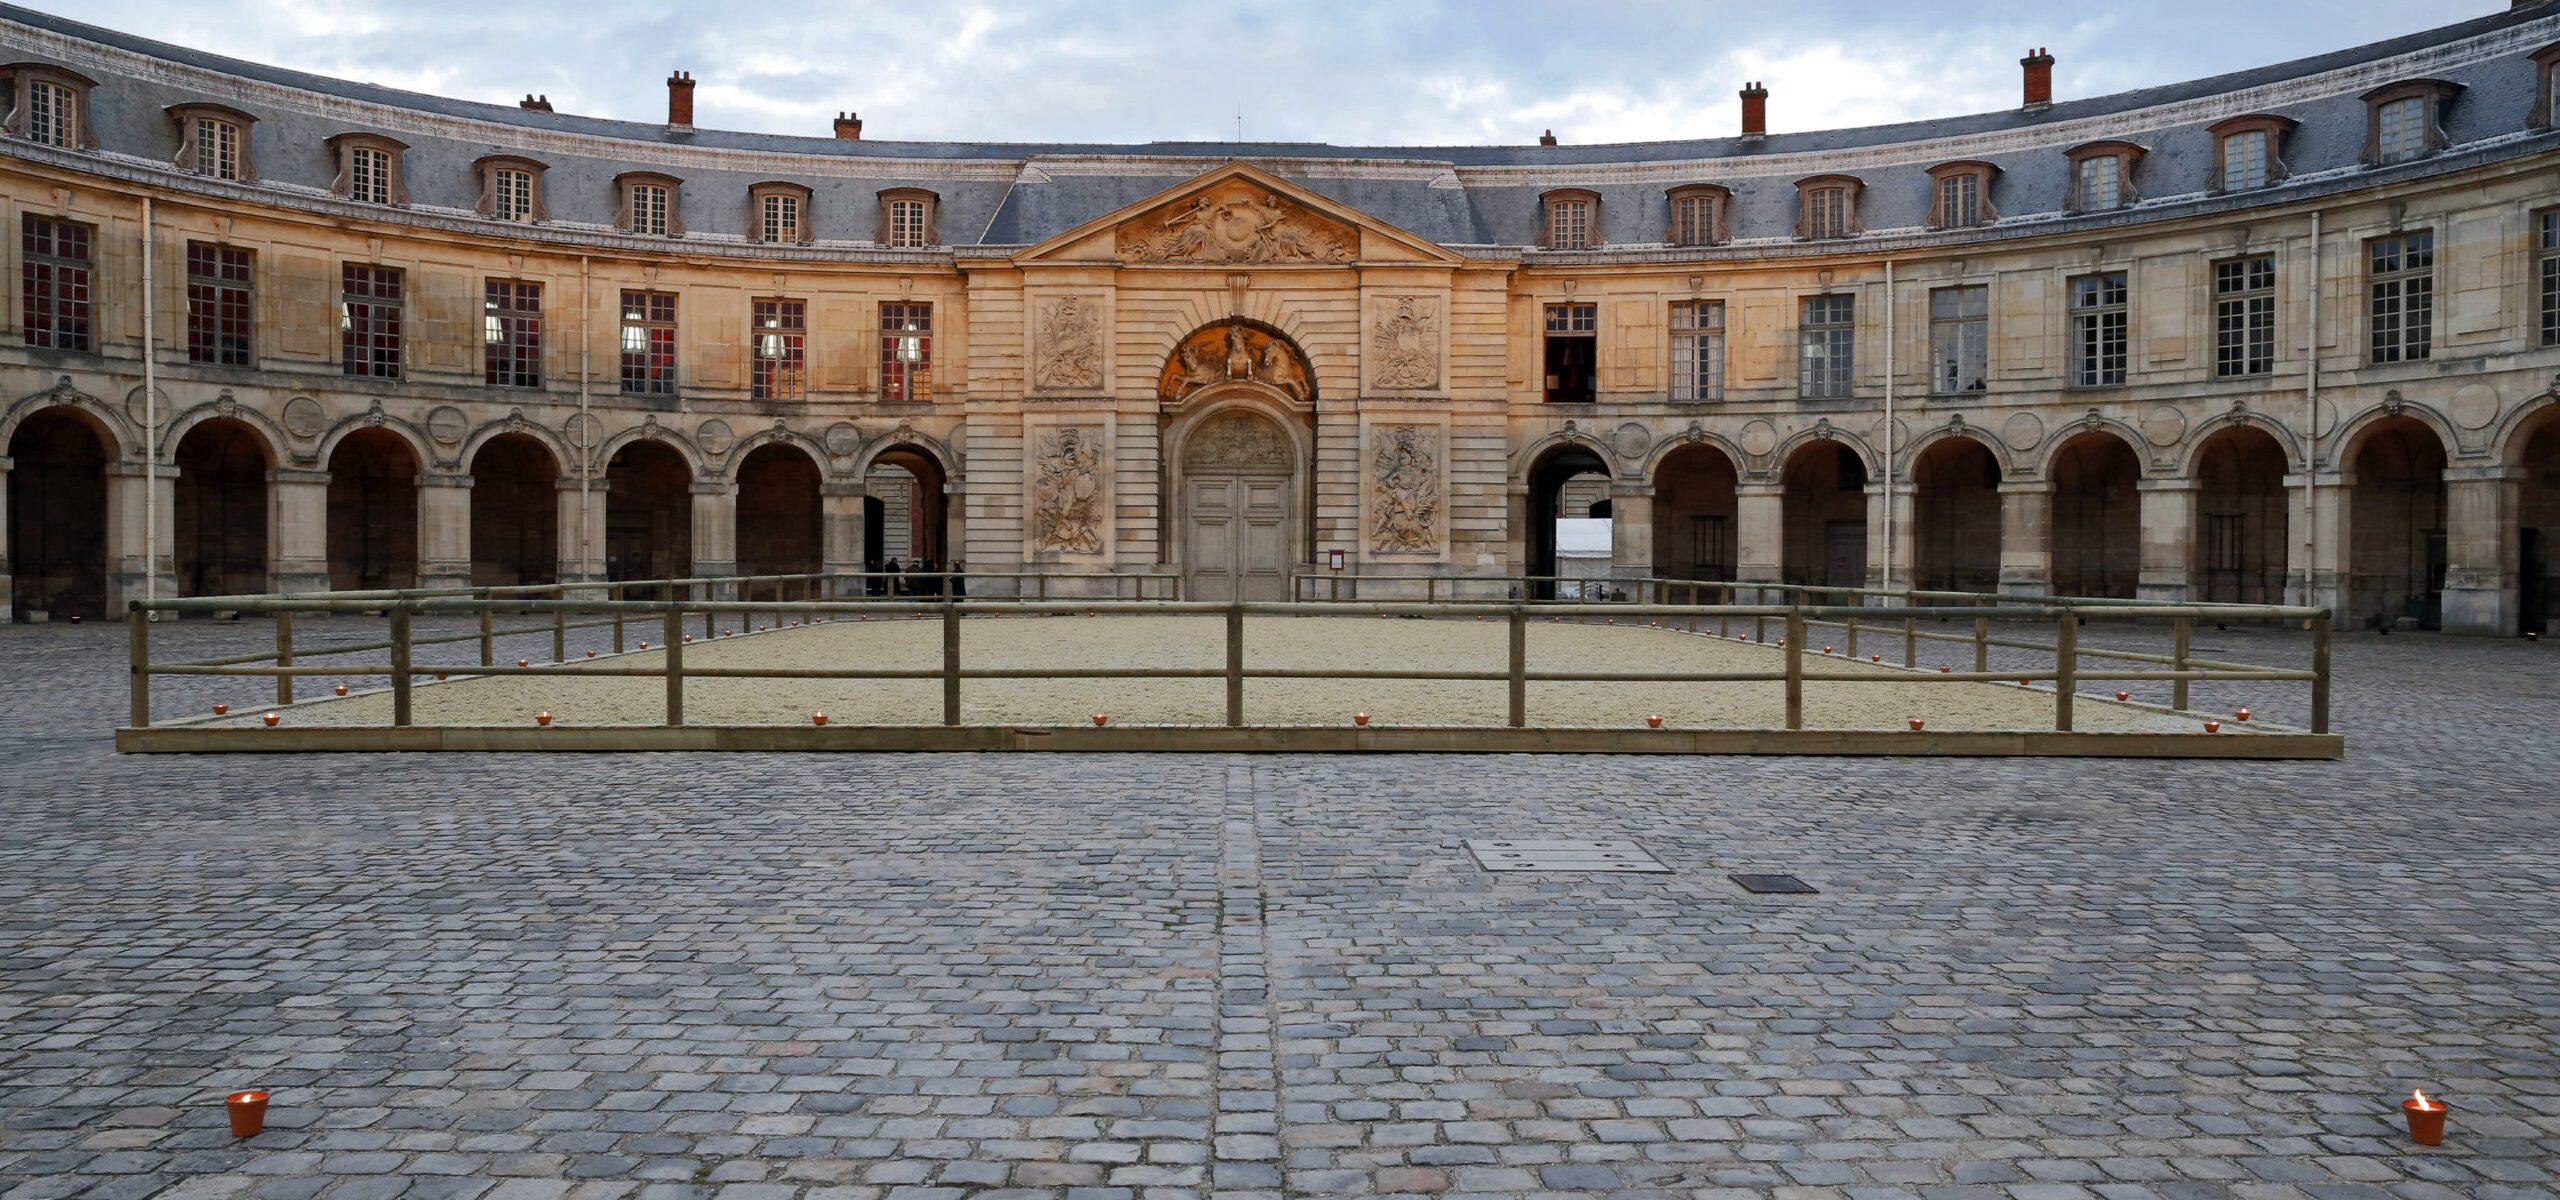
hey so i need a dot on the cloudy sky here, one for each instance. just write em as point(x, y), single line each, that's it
point(1343, 71)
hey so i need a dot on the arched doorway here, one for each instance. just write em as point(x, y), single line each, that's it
point(515, 512)
point(1693, 514)
point(779, 523)
point(1569, 533)
point(2396, 549)
point(648, 513)
point(221, 510)
point(58, 516)
point(1238, 500)
point(2538, 529)
point(903, 512)
point(1824, 510)
point(373, 512)
point(2241, 526)
point(2097, 518)
point(1955, 517)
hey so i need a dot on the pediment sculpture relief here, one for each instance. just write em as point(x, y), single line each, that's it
point(1404, 501)
point(1236, 222)
point(1234, 353)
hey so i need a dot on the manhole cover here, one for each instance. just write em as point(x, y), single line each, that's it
point(1563, 856)
point(1773, 885)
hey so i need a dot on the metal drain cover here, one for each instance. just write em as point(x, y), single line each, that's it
point(1563, 856)
point(1774, 885)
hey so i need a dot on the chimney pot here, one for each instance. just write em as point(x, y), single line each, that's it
point(849, 126)
point(1548, 138)
point(2039, 80)
point(535, 103)
point(680, 100)
point(1755, 110)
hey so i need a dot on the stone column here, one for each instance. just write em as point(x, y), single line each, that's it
point(955, 526)
point(581, 537)
point(840, 524)
point(2168, 539)
point(2327, 566)
point(2026, 548)
point(2482, 558)
point(1630, 531)
point(715, 528)
point(444, 531)
point(298, 531)
point(8, 581)
point(1902, 503)
point(128, 572)
point(1760, 532)
point(1515, 523)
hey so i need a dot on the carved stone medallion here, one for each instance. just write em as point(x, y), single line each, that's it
point(1069, 345)
point(1066, 491)
point(1759, 438)
point(304, 418)
point(136, 406)
point(1404, 490)
point(446, 424)
point(2474, 406)
point(2164, 425)
point(583, 430)
point(1232, 351)
point(843, 439)
point(1631, 441)
point(2022, 431)
point(714, 436)
point(1237, 440)
point(1407, 342)
point(1235, 222)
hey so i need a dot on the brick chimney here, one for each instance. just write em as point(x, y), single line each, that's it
point(680, 101)
point(2039, 67)
point(535, 103)
point(849, 127)
point(1755, 111)
point(1548, 138)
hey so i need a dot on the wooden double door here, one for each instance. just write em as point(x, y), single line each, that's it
point(1237, 531)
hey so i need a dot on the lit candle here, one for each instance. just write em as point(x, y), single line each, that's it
point(1101, 719)
point(542, 719)
point(2426, 1118)
point(818, 718)
point(1655, 720)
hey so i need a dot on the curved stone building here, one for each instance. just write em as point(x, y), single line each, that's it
point(2284, 335)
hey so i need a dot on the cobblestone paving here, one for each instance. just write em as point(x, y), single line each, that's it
point(1153, 977)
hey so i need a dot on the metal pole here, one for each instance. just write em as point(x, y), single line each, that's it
point(1795, 668)
point(284, 656)
point(138, 634)
point(400, 656)
point(2066, 667)
point(1519, 666)
point(150, 426)
point(2320, 673)
point(1235, 664)
point(2178, 653)
point(675, 661)
point(950, 664)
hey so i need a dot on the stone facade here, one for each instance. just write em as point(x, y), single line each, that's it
point(1107, 360)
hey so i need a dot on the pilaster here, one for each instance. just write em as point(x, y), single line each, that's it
point(2168, 539)
point(2026, 548)
point(2482, 576)
point(1760, 532)
point(133, 570)
point(298, 531)
point(444, 531)
point(840, 517)
point(715, 527)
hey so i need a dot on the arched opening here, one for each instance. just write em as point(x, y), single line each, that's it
point(2241, 518)
point(57, 516)
point(2537, 528)
point(903, 514)
point(1824, 512)
point(1693, 514)
point(2097, 518)
point(779, 524)
point(1569, 532)
point(2396, 549)
point(648, 513)
point(1955, 517)
point(1237, 505)
point(515, 512)
point(221, 510)
point(373, 512)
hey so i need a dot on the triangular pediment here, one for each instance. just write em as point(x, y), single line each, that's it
point(1236, 216)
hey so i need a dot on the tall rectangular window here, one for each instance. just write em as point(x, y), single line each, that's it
point(1960, 201)
point(649, 209)
point(2101, 183)
point(369, 320)
point(511, 195)
point(1697, 350)
point(53, 274)
point(2244, 316)
point(781, 350)
point(1960, 339)
point(1826, 213)
point(1693, 220)
point(2547, 252)
point(1573, 353)
point(2402, 135)
point(51, 114)
point(906, 351)
point(648, 343)
point(1826, 346)
point(780, 218)
point(2244, 161)
point(2400, 286)
point(1568, 225)
point(906, 223)
point(218, 304)
point(2098, 330)
point(369, 175)
point(217, 148)
point(511, 333)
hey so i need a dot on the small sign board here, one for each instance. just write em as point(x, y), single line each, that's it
point(1333, 560)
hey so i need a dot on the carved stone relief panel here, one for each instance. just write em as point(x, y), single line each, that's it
point(1406, 491)
point(1070, 496)
point(1404, 343)
point(1232, 351)
point(1067, 344)
point(1237, 221)
point(1238, 441)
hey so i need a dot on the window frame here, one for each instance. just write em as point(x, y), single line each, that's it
point(2399, 280)
point(538, 208)
point(1945, 175)
point(342, 148)
point(384, 323)
point(1577, 321)
point(511, 335)
point(886, 233)
point(2127, 156)
point(905, 380)
point(757, 196)
point(626, 213)
point(654, 372)
point(222, 308)
point(2546, 255)
point(70, 322)
point(780, 377)
point(2092, 353)
point(2432, 95)
point(84, 128)
point(1838, 341)
point(2241, 313)
point(2546, 97)
point(1972, 331)
point(190, 119)
point(1549, 206)
point(1697, 351)
point(1682, 231)
point(1850, 188)
point(2273, 126)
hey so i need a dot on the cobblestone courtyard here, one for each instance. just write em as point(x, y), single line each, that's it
point(1139, 978)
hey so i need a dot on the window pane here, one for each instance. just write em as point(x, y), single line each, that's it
point(2403, 134)
point(1697, 350)
point(1959, 339)
point(2244, 160)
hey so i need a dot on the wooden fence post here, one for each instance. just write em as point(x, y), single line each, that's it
point(2066, 667)
point(1235, 663)
point(400, 659)
point(950, 663)
point(1910, 642)
point(613, 595)
point(284, 656)
point(140, 650)
point(2184, 637)
point(1519, 666)
point(2320, 672)
point(488, 640)
point(1795, 668)
point(710, 598)
point(1853, 637)
point(1981, 644)
point(560, 631)
point(675, 659)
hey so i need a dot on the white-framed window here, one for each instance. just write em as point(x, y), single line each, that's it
point(2101, 183)
point(1959, 339)
point(778, 217)
point(649, 209)
point(907, 223)
point(2244, 160)
point(2400, 294)
point(511, 194)
point(217, 148)
point(1697, 350)
point(53, 114)
point(369, 175)
point(2244, 316)
point(2098, 330)
point(1826, 346)
point(2401, 133)
point(1569, 224)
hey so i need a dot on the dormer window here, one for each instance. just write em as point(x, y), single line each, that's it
point(2404, 122)
point(1827, 207)
point(213, 141)
point(369, 168)
point(2248, 152)
point(1571, 221)
point(907, 218)
point(511, 189)
point(2546, 98)
point(2102, 175)
point(52, 106)
point(1698, 214)
point(778, 213)
point(649, 204)
point(1960, 195)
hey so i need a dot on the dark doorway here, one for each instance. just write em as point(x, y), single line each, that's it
point(2097, 518)
point(515, 513)
point(1547, 480)
point(2241, 518)
point(1824, 514)
point(1956, 517)
point(1693, 514)
point(373, 512)
point(648, 514)
point(221, 510)
point(780, 528)
point(2396, 527)
point(58, 516)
